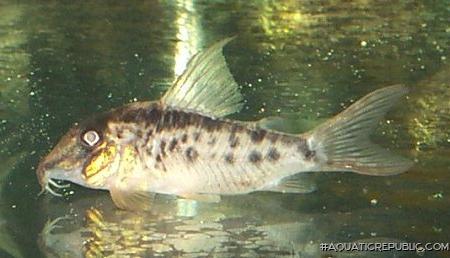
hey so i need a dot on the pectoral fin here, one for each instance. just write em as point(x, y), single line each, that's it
point(211, 198)
point(295, 184)
point(131, 200)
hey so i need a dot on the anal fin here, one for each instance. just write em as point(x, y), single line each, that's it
point(211, 198)
point(293, 184)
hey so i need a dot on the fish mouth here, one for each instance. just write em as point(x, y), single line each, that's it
point(46, 181)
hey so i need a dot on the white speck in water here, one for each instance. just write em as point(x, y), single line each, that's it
point(374, 234)
point(32, 93)
point(309, 65)
point(443, 58)
point(437, 229)
point(259, 80)
point(13, 206)
point(363, 43)
point(438, 195)
point(110, 95)
point(374, 201)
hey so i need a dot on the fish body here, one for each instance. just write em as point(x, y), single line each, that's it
point(178, 152)
point(183, 145)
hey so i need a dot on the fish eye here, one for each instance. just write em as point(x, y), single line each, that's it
point(91, 138)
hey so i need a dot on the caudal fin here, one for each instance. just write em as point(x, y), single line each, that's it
point(344, 140)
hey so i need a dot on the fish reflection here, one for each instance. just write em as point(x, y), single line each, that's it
point(185, 228)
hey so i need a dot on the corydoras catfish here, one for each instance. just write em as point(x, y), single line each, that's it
point(183, 145)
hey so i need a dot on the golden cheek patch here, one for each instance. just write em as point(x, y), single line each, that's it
point(100, 161)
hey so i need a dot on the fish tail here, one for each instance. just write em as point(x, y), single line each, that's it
point(343, 141)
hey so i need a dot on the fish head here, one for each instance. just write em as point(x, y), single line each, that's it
point(84, 155)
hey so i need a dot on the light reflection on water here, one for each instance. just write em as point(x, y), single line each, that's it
point(244, 227)
point(305, 60)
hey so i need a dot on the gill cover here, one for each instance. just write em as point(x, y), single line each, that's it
point(100, 165)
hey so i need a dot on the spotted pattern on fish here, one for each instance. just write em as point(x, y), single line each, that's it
point(229, 158)
point(254, 156)
point(234, 141)
point(191, 149)
point(196, 136)
point(212, 141)
point(257, 135)
point(173, 144)
point(302, 147)
point(191, 154)
point(273, 154)
point(147, 137)
point(184, 138)
point(162, 147)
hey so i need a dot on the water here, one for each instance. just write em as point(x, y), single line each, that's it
point(60, 62)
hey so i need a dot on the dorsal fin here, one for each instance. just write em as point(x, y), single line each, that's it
point(206, 86)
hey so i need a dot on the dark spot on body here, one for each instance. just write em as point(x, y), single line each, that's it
point(229, 158)
point(212, 141)
point(302, 147)
point(184, 138)
point(158, 158)
point(149, 150)
point(273, 154)
point(173, 144)
point(234, 141)
point(119, 132)
point(245, 183)
point(273, 137)
point(254, 157)
point(147, 136)
point(310, 154)
point(174, 120)
point(196, 136)
point(257, 135)
point(191, 154)
point(163, 148)
point(210, 124)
